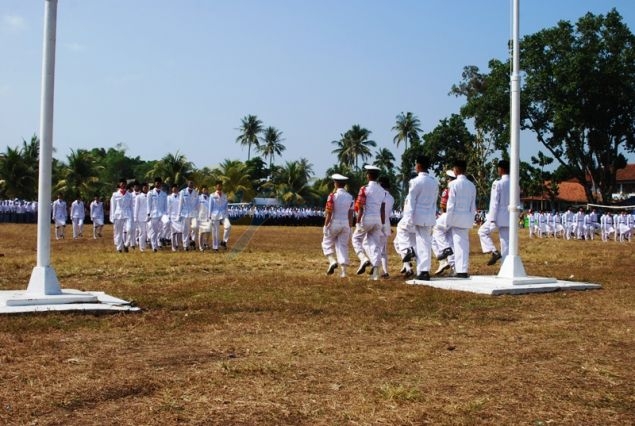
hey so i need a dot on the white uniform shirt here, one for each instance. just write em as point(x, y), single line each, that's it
point(59, 210)
point(120, 205)
point(218, 206)
point(461, 203)
point(157, 203)
point(340, 202)
point(424, 191)
point(97, 210)
point(188, 202)
point(77, 210)
point(140, 207)
point(374, 197)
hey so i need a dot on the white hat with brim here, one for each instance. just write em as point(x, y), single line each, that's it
point(338, 176)
point(450, 173)
point(369, 168)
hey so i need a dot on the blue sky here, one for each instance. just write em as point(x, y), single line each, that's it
point(161, 76)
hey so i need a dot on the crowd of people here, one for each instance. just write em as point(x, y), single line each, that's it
point(581, 225)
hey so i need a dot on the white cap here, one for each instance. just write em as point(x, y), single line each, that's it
point(338, 176)
point(371, 167)
point(450, 173)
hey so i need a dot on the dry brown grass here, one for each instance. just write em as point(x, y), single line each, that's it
point(261, 336)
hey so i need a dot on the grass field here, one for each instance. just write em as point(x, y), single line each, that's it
point(260, 335)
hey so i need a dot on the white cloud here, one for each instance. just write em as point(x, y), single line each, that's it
point(13, 23)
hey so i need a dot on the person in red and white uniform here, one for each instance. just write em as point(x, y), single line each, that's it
point(338, 221)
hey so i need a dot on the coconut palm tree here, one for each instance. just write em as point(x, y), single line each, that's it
point(236, 180)
point(292, 183)
point(173, 169)
point(80, 176)
point(407, 128)
point(272, 144)
point(353, 145)
point(250, 129)
point(384, 159)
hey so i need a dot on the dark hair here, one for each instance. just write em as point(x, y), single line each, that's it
point(503, 164)
point(384, 181)
point(423, 161)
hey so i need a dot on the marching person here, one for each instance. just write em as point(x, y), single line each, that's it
point(204, 224)
point(405, 237)
point(175, 224)
point(218, 213)
point(157, 208)
point(460, 218)
point(423, 194)
point(59, 216)
point(338, 221)
point(140, 216)
point(97, 216)
point(384, 181)
point(371, 215)
point(120, 214)
point(188, 209)
point(78, 213)
point(497, 216)
point(578, 224)
point(441, 237)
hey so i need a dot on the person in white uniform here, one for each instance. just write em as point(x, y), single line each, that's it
point(59, 215)
point(120, 214)
point(371, 215)
point(157, 208)
point(140, 216)
point(384, 181)
point(423, 194)
point(204, 224)
point(175, 220)
point(218, 213)
point(338, 221)
point(441, 237)
point(497, 216)
point(97, 216)
point(78, 213)
point(405, 238)
point(460, 218)
point(188, 205)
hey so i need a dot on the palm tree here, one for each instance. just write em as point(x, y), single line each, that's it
point(80, 176)
point(250, 128)
point(272, 144)
point(384, 159)
point(173, 168)
point(292, 182)
point(407, 128)
point(236, 180)
point(353, 145)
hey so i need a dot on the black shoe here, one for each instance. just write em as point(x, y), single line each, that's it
point(331, 269)
point(461, 275)
point(223, 244)
point(362, 267)
point(409, 273)
point(125, 248)
point(445, 253)
point(423, 276)
point(495, 256)
point(410, 254)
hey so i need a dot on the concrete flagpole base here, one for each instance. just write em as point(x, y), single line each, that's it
point(44, 294)
point(496, 285)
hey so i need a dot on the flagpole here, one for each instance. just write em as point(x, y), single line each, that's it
point(513, 266)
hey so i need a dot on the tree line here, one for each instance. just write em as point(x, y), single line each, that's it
point(577, 99)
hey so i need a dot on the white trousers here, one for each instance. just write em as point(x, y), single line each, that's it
point(118, 231)
point(405, 238)
point(78, 226)
point(335, 241)
point(424, 247)
point(370, 231)
point(485, 236)
point(461, 247)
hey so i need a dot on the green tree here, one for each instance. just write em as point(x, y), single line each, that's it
point(292, 183)
point(407, 128)
point(385, 160)
point(353, 145)
point(79, 176)
point(580, 96)
point(237, 183)
point(250, 130)
point(19, 171)
point(271, 144)
point(173, 169)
